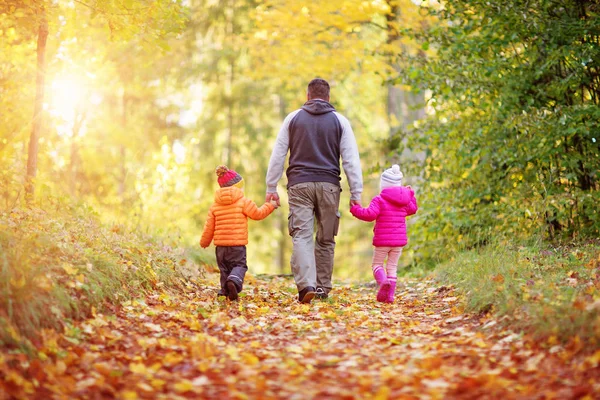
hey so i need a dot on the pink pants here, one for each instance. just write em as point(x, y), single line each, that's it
point(392, 254)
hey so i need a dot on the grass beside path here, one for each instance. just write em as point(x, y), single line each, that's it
point(62, 264)
point(553, 292)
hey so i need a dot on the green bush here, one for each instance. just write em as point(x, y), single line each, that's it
point(550, 291)
point(512, 145)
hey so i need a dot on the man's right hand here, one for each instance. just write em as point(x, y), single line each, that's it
point(273, 196)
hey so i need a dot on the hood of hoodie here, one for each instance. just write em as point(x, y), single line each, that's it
point(397, 195)
point(317, 107)
point(228, 195)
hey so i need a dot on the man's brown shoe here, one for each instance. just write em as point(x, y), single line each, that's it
point(306, 294)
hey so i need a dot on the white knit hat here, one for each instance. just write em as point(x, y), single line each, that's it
point(391, 177)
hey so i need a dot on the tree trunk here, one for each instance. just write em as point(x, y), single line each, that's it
point(403, 107)
point(230, 118)
point(75, 161)
point(122, 150)
point(231, 82)
point(38, 108)
point(394, 94)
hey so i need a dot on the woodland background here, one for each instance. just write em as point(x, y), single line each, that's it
point(115, 113)
point(491, 109)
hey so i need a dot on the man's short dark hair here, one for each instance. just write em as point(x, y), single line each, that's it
point(318, 89)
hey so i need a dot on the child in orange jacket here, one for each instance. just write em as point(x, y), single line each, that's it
point(227, 224)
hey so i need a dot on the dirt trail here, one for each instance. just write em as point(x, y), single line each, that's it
point(268, 346)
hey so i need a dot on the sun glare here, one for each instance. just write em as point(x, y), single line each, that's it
point(68, 101)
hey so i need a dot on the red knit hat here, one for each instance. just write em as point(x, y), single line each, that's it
point(227, 177)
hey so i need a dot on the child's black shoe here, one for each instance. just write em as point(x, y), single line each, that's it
point(232, 293)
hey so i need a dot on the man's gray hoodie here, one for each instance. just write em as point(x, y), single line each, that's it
point(316, 136)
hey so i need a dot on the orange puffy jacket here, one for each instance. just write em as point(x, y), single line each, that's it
point(227, 219)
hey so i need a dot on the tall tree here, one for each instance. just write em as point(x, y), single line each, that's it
point(41, 13)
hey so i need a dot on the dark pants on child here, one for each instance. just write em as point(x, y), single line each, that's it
point(232, 264)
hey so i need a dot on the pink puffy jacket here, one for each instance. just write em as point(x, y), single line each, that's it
point(389, 209)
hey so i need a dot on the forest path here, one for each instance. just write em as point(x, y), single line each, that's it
point(267, 345)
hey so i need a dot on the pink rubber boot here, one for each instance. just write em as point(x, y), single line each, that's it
point(382, 281)
point(392, 290)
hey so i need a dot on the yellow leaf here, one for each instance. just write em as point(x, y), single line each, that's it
point(18, 380)
point(157, 383)
point(594, 359)
point(240, 395)
point(172, 359)
point(165, 299)
point(387, 373)
point(13, 333)
point(232, 352)
point(249, 359)
point(263, 310)
point(184, 386)
point(590, 290)
point(383, 393)
point(129, 395)
point(69, 269)
point(137, 368)
point(195, 325)
point(18, 283)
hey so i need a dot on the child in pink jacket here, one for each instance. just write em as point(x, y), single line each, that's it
point(389, 211)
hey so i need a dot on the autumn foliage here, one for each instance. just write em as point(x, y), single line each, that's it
point(114, 114)
point(269, 346)
point(61, 264)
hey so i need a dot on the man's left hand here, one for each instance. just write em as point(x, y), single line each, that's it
point(355, 203)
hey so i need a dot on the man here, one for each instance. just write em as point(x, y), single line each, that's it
point(316, 137)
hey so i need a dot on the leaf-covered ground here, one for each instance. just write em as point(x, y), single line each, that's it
point(267, 345)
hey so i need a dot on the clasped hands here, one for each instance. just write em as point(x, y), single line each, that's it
point(273, 198)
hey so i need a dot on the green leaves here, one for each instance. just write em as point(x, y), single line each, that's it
point(511, 84)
